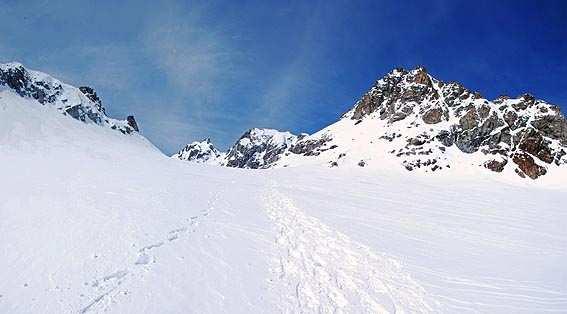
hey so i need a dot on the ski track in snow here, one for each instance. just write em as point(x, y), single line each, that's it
point(108, 287)
point(320, 270)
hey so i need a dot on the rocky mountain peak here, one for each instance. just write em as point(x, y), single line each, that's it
point(81, 103)
point(259, 148)
point(419, 76)
point(200, 152)
point(511, 129)
point(426, 125)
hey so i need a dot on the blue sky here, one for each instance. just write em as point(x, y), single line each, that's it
point(194, 69)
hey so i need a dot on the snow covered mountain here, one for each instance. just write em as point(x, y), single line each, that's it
point(200, 152)
point(423, 124)
point(255, 149)
point(80, 103)
point(94, 221)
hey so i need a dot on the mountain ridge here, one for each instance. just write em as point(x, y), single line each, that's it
point(80, 103)
point(407, 119)
point(423, 118)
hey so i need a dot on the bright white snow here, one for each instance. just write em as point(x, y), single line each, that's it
point(94, 221)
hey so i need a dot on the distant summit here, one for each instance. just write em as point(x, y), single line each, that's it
point(422, 124)
point(200, 152)
point(256, 149)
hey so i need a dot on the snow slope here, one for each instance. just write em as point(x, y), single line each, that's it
point(94, 221)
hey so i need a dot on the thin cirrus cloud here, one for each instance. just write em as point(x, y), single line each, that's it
point(195, 69)
point(193, 57)
point(200, 64)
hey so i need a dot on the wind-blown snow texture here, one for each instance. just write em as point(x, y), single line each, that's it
point(94, 221)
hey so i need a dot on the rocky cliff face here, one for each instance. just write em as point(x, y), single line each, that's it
point(425, 125)
point(259, 148)
point(81, 103)
point(521, 132)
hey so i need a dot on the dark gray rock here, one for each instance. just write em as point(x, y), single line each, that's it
point(469, 120)
point(132, 123)
point(310, 147)
point(18, 79)
point(433, 116)
point(553, 126)
point(446, 138)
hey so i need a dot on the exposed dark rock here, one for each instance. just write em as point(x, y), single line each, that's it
point(18, 79)
point(47, 90)
point(496, 166)
point(533, 142)
point(91, 94)
point(259, 148)
point(468, 141)
point(203, 151)
point(525, 102)
point(309, 147)
point(559, 155)
point(520, 173)
point(132, 123)
point(421, 76)
point(484, 111)
point(469, 120)
point(446, 138)
point(554, 126)
point(490, 124)
point(505, 136)
point(433, 116)
point(528, 166)
point(416, 141)
point(428, 163)
point(397, 116)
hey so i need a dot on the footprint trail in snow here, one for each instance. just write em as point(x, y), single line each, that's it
point(108, 287)
point(320, 270)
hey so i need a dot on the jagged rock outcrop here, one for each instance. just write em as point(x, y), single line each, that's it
point(81, 103)
point(513, 128)
point(259, 148)
point(200, 152)
point(496, 165)
point(312, 147)
point(528, 166)
point(131, 121)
